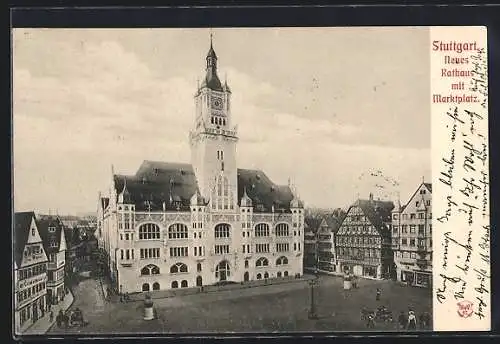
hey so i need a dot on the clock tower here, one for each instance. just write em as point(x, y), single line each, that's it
point(213, 140)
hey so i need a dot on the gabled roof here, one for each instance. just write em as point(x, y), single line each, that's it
point(50, 238)
point(261, 190)
point(429, 186)
point(312, 223)
point(378, 213)
point(157, 182)
point(334, 222)
point(22, 225)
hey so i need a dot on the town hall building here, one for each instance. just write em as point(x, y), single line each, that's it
point(178, 225)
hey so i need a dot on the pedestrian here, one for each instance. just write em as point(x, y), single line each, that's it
point(377, 298)
point(51, 316)
point(412, 321)
point(60, 318)
point(402, 320)
point(371, 321)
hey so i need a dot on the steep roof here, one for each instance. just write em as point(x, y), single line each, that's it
point(334, 222)
point(312, 223)
point(22, 224)
point(262, 190)
point(51, 240)
point(377, 212)
point(158, 182)
point(429, 186)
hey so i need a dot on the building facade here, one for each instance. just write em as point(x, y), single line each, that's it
point(327, 258)
point(412, 238)
point(53, 236)
point(30, 272)
point(311, 226)
point(174, 225)
point(363, 241)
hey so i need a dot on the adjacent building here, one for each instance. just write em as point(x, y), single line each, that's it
point(52, 232)
point(311, 226)
point(174, 225)
point(327, 260)
point(30, 272)
point(412, 238)
point(363, 241)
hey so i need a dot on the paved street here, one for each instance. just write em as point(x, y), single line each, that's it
point(261, 309)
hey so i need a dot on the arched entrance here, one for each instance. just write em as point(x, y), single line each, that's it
point(145, 287)
point(222, 271)
point(199, 281)
point(156, 286)
point(246, 276)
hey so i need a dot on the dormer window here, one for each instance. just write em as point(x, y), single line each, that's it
point(32, 231)
point(53, 244)
point(52, 229)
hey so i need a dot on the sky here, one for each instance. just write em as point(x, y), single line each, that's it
point(326, 108)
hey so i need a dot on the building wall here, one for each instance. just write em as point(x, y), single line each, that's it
point(129, 270)
point(30, 294)
point(359, 246)
point(412, 238)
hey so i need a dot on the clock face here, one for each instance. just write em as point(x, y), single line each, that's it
point(217, 103)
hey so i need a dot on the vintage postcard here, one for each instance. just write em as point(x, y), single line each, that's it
point(256, 180)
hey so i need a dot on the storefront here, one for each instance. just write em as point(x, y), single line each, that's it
point(408, 277)
point(423, 279)
point(370, 271)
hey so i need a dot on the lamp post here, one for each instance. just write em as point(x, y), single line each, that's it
point(312, 311)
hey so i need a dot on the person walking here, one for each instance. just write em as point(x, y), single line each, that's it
point(379, 292)
point(412, 321)
point(371, 321)
point(51, 316)
point(402, 320)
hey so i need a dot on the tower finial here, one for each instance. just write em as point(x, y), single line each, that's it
point(211, 38)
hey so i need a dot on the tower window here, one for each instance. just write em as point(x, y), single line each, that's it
point(212, 120)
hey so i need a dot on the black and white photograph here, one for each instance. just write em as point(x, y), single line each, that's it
point(222, 180)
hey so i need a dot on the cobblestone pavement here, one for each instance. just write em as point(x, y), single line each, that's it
point(272, 308)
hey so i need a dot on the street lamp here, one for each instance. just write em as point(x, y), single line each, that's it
point(312, 311)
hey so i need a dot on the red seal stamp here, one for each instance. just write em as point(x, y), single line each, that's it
point(465, 308)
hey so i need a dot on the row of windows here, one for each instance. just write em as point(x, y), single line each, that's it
point(359, 252)
point(27, 293)
point(413, 216)
point(262, 230)
point(282, 247)
point(151, 231)
point(262, 248)
point(127, 236)
point(32, 271)
point(221, 249)
point(247, 248)
point(58, 275)
point(32, 250)
point(199, 251)
point(350, 240)
point(405, 254)
point(148, 253)
point(404, 229)
point(178, 251)
point(222, 230)
point(412, 242)
point(217, 120)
